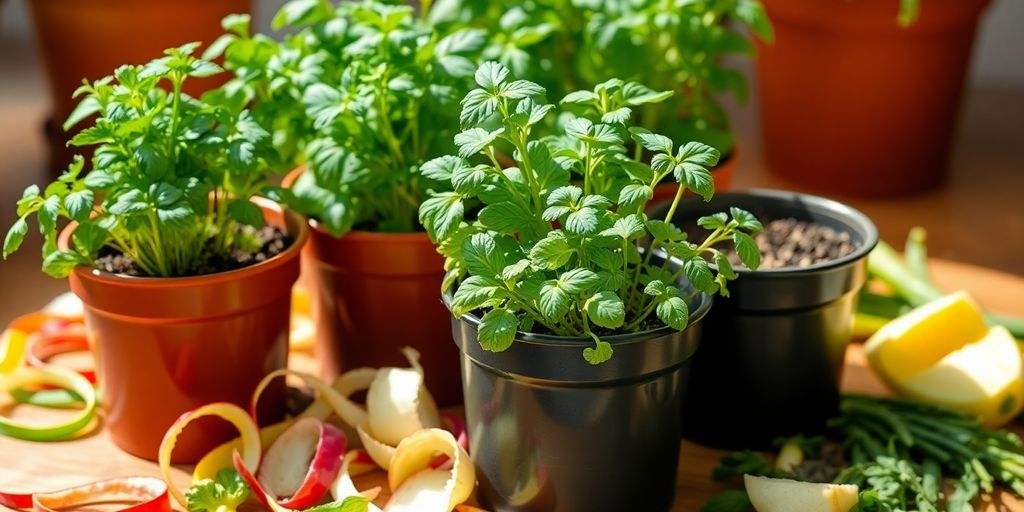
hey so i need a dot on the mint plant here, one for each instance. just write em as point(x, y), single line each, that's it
point(676, 45)
point(171, 180)
point(362, 92)
point(558, 243)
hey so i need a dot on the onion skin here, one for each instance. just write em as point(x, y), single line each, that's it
point(323, 468)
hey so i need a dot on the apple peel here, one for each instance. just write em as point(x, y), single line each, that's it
point(416, 486)
point(252, 448)
point(58, 377)
point(266, 499)
point(148, 494)
point(344, 487)
point(338, 402)
point(302, 463)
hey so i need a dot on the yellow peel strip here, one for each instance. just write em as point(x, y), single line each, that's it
point(418, 488)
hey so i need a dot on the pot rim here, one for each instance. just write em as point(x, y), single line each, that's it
point(299, 240)
point(695, 317)
point(851, 216)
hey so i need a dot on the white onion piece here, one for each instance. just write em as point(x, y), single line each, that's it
point(378, 451)
point(344, 487)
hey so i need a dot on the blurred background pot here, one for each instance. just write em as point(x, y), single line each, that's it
point(374, 293)
point(90, 38)
point(772, 353)
point(853, 103)
point(164, 346)
point(549, 431)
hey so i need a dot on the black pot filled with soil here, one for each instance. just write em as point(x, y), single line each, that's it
point(772, 353)
point(549, 431)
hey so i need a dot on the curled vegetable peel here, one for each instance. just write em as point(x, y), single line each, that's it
point(49, 376)
point(416, 486)
point(250, 436)
point(303, 463)
point(149, 495)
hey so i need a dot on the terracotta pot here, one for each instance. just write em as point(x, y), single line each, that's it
point(167, 345)
point(722, 175)
point(90, 38)
point(852, 103)
point(374, 293)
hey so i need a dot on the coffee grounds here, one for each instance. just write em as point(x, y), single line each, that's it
point(272, 241)
point(791, 243)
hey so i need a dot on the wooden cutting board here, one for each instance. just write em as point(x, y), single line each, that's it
point(28, 466)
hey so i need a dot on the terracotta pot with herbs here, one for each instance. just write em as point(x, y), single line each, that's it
point(677, 45)
point(184, 272)
point(363, 93)
point(573, 327)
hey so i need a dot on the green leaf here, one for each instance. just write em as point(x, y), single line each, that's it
point(491, 75)
point(577, 281)
point(747, 250)
point(606, 309)
point(461, 41)
point(85, 108)
point(474, 140)
point(629, 227)
point(634, 195)
point(505, 217)
point(582, 222)
point(652, 141)
point(655, 288)
point(699, 274)
point(516, 270)
point(746, 220)
point(246, 212)
point(482, 257)
point(551, 252)
point(15, 236)
point(497, 330)
point(724, 265)
point(88, 238)
point(673, 311)
point(79, 204)
point(519, 89)
point(716, 221)
point(298, 12)
point(349, 504)
point(599, 353)
point(638, 94)
point(441, 168)
point(477, 106)
point(692, 168)
point(554, 301)
point(580, 98)
point(441, 214)
point(664, 232)
point(617, 116)
point(59, 264)
point(475, 292)
point(751, 13)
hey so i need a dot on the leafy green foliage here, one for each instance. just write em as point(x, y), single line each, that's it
point(674, 45)
point(363, 93)
point(225, 493)
point(560, 239)
point(160, 158)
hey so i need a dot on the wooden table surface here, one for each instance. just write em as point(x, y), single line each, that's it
point(26, 466)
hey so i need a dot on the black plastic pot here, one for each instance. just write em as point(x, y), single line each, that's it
point(772, 353)
point(550, 432)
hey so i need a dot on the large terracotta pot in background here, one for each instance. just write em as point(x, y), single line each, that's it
point(167, 345)
point(374, 293)
point(90, 38)
point(852, 103)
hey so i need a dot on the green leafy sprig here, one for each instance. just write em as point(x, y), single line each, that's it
point(363, 93)
point(556, 242)
point(675, 45)
point(171, 180)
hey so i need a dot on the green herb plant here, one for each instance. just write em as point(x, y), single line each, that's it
point(363, 93)
point(225, 493)
point(555, 243)
point(900, 452)
point(675, 45)
point(171, 180)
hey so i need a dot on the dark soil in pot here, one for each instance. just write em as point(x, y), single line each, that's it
point(267, 242)
point(772, 352)
point(548, 431)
